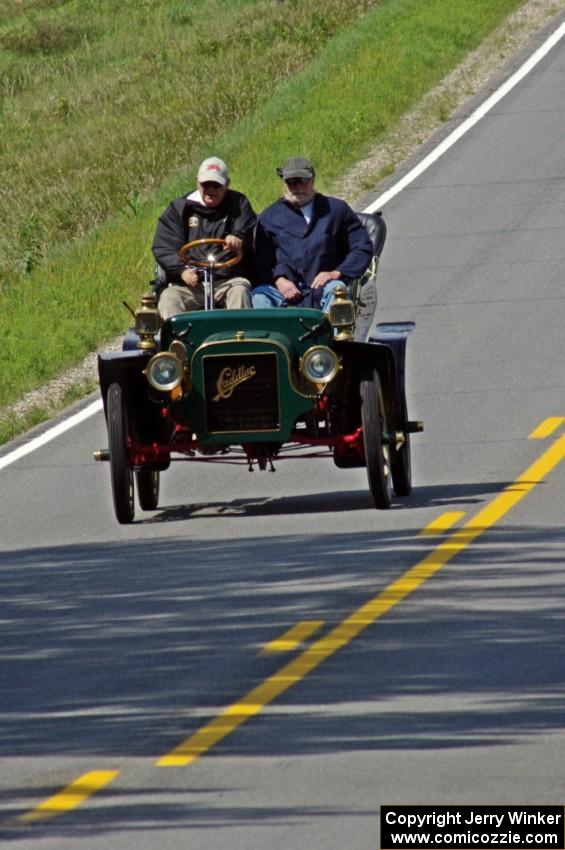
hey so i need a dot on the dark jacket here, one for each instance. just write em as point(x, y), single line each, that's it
point(185, 220)
point(335, 240)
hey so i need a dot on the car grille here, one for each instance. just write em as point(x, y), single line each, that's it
point(241, 393)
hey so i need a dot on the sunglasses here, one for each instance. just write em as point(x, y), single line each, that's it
point(297, 181)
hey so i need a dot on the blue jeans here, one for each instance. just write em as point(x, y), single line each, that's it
point(269, 296)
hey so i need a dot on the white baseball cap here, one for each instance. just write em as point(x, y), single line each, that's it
point(214, 170)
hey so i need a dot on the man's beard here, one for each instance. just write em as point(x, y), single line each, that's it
point(298, 201)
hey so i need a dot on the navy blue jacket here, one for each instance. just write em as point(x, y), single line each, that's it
point(335, 240)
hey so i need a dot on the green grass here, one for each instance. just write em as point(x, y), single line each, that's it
point(11, 428)
point(102, 101)
point(101, 129)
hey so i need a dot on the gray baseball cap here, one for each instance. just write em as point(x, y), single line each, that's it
point(296, 166)
point(215, 170)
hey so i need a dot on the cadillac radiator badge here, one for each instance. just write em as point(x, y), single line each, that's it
point(229, 379)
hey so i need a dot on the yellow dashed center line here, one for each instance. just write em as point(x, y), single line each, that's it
point(547, 428)
point(71, 796)
point(274, 686)
point(293, 637)
point(293, 672)
point(442, 523)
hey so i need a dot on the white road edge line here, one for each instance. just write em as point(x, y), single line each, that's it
point(51, 434)
point(419, 169)
point(469, 122)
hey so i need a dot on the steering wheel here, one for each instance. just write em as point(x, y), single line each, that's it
point(208, 264)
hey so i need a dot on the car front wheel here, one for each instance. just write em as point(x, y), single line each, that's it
point(377, 450)
point(121, 472)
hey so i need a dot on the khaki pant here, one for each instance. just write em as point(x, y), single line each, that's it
point(234, 294)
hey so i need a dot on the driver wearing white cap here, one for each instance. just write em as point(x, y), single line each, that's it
point(211, 211)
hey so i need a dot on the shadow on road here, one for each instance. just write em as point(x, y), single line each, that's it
point(125, 649)
point(337, 501)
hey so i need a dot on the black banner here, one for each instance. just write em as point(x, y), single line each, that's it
point(472, 827)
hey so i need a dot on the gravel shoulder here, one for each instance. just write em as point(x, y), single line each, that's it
point(435, 111)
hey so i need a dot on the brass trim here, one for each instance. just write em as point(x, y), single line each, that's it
point(263, 341)
point(332, 374)
point(345, 334)
point(238, 354)
point(226, 385)
point(148, 307)
point(342, 330)
point(171, 384)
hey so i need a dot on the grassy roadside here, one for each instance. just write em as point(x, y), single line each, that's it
point(351, 93)
point(102, 101)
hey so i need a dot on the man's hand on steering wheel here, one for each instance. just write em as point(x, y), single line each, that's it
point(234, 243)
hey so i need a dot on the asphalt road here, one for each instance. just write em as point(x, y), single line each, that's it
point(119, 643)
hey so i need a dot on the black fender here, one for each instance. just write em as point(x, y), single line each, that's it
point(126, 368)
point(360, 355)
point(395, 336)
point(385, 351)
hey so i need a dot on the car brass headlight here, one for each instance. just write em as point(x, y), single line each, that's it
point(342, 315)
point(165, 371)
point(147, 321)
point(319, 364)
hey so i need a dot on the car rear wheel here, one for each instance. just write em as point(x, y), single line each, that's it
point(121, 473)
point(147, 481)
point(377, 452)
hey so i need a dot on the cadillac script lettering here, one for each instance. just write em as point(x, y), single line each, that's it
point(229, 379)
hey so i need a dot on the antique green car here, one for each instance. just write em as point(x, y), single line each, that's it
point(256, 386)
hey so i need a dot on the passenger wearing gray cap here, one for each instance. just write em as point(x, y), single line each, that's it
point(212, 211)
point(307, 243)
